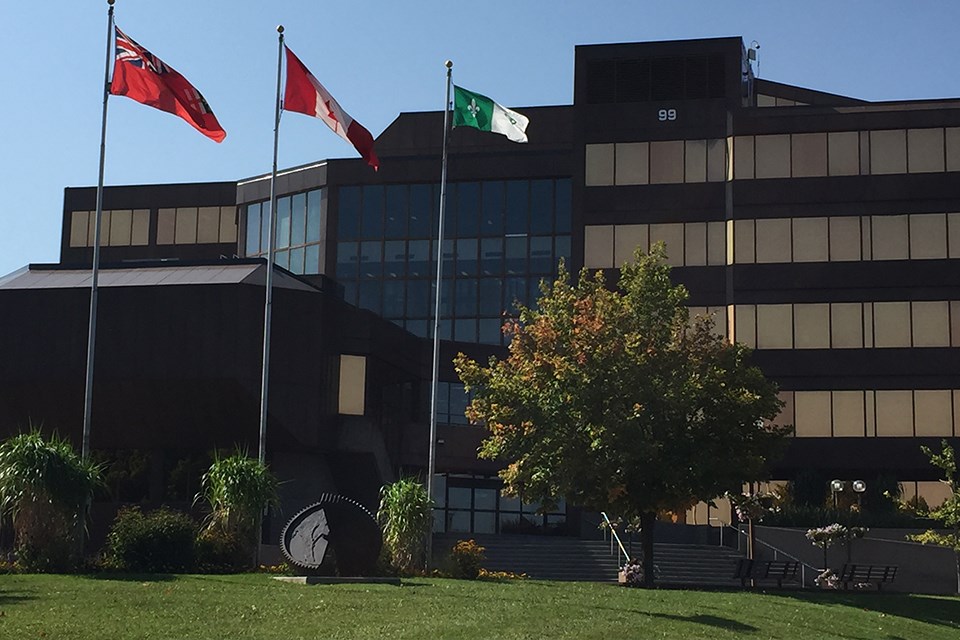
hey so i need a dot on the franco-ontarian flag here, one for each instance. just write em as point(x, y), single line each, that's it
point(480, 112)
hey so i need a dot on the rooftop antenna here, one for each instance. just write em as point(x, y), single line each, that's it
point(753, 53)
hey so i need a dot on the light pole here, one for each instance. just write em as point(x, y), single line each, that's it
point(859, 486)
point(836, 487)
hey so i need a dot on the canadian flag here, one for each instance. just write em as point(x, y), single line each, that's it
point(305, 94)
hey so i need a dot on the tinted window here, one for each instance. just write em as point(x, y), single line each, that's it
point(468, 209)
point(283, 222)
point(491, 222)
point(347, 261)
point(370, 295)
point(298, 219)
point(421, 205)
point(313, 216)
point(395, 225)
point(541, 206)
point(371, 225)
point(563, 206)
point(516, 211)
point(371, 263)
point(253, 229)
point(349, 213)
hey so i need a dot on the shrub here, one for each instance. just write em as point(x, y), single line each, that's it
point(466, 560)
point(220, 551)
point(807, 517)
point(162, 541)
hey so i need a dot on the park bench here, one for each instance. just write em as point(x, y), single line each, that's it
point(779, 570)
point(877, 574)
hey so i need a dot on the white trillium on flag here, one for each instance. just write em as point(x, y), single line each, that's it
point(480, 112)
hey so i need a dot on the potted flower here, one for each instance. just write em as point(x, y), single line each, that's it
point(834, 534)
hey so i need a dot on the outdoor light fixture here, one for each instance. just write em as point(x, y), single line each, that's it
point(859, 486)
point(836, 486)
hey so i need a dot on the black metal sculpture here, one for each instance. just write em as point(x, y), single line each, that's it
point(335, 536)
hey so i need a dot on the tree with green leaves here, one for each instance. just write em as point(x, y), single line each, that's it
point(618, 402)
point(47, 489)
point(238, 490)
point(947, 513)
point(406, 517)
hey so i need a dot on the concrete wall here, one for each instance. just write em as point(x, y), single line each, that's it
point(922, 568)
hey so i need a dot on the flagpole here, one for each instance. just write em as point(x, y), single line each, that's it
point(432, 461)
point(92, 325)
point(271, 232)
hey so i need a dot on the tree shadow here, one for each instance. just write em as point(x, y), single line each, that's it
point(131, 577)
point(14, 598)
point(712, 621)
point(942, 611)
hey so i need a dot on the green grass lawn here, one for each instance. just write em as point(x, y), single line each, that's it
point(255, 606)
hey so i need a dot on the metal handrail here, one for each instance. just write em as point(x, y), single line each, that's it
point(613, 532)
point(777, 552)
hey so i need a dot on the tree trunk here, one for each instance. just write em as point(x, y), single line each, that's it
point(957, 552)
point(647, 521)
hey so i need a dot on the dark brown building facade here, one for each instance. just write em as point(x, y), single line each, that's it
point(822, 230)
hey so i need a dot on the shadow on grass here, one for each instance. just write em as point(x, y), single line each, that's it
point(712, 621)
point(14, 598)
point(942, 611)
point(130, 577)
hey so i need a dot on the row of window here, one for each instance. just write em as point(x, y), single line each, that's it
point(464, 504)
point(463, 257)
point(473, 209)
point(471, 309)
point(786, 155)
point(665, 162)
point(183, 225)
point(197, 225)
point(452, 401)
point(774, 101)
point(118, 228)
point(926, 236)
point(687, 244)
point(847, 153)
point(501, 238)
point(297, 243)
point(848, 325)
point(869, 413)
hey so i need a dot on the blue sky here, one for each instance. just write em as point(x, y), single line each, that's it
point(380, 58)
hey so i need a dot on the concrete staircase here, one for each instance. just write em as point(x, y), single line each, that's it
point(562, 558)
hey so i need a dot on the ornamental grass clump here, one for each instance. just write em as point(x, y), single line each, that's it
point(46, 488)
point(238, 490)
point(406, 518)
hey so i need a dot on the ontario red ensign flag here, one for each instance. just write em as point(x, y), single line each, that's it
point(142, 76)
point(305, 94)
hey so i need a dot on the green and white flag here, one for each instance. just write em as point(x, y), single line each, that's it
point(480, 112)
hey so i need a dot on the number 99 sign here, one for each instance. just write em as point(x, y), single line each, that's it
point(667, 115)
